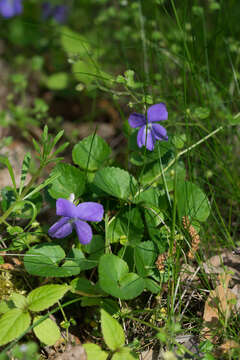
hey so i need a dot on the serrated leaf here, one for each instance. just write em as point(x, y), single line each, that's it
point(91, 153)
point(94, 352)
point(116, 182)
point(70, 180)
point(12, 324)
point(47, 331)
point(112, 331)
point(45, 296)
point(118, 282)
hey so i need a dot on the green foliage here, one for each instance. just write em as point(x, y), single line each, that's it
point(47, 331)
point(118, 282)
point(112, 331)
point(70, 180)
point(95, 352)
point(191, 201)
point(12, 324)
point(45, 296)
point(57, 81)
point(44, 260)
point(126, 227)
point(91, 153)
point(115, 182)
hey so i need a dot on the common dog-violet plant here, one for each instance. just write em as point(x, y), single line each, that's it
point(75, 217)
point(150, 131)
point(10, 8)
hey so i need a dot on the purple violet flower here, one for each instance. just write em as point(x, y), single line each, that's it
point(10, 8)
point(149, 131)
point(58, 12)
point(75, 217)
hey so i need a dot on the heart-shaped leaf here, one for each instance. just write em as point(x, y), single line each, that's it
point(44, 259)
point(91, 152)
point(70, 181)
point(116, 182)
point(191, 201)
point(115, 279)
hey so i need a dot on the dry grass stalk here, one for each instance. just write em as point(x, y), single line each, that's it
point(194, 237)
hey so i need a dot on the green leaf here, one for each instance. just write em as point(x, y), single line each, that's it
point(88, 71)
point(24, 171)
point(125, 354)
point(201, 113)
point(126, 226)
point(47, 331)
point(191, 201)
point(83, 286)
point(45, 259)
point(6, 306)
point(45, 296)
point(149, 196)
point(95, 248)
point(107, 304)
point(112, 331)
point(152, 286)
point(20, 301)
point(12, 324)
point(145, 256)
point(91, 153)
point(94, 352)
point(115, 182)
point(70, 180)
point(74, 44)
point(58, 81)
point(4, 160)
point(118, 282)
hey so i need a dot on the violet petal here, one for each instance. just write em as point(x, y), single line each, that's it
point(160, 133)
point(10, 8)
point(141, 136)
point(60, 13)
point(157, 112)
point(84, 231)
point(65, 207)
point(150, 140)
point(61, 228)
point(136, 120)
point(90, 211)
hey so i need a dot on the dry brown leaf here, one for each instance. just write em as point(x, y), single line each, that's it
point(73, 353)
point(229, 345)
point(147, 355)
point(227, 260)
point(219, 303)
